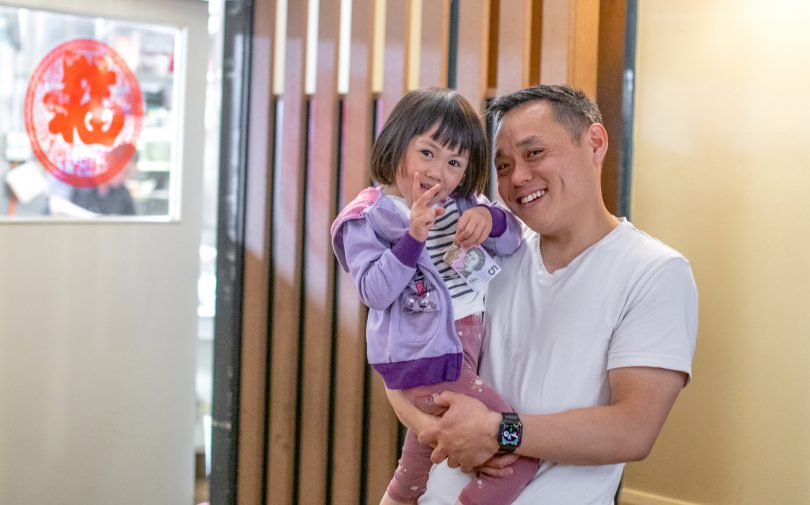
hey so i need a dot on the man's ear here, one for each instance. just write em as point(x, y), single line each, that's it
point(598, 142)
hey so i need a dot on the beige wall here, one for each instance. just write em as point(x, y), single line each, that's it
point(721, 171)
point(99, 327)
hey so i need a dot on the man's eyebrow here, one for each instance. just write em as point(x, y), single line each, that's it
point(531, 139)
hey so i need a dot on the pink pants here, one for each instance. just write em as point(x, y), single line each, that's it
point(410, 478)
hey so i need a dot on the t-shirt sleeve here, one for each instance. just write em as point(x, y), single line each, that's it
point(658, 327)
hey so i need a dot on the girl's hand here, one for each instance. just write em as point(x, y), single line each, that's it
point(498, 466)
point(422, 215)
point(473, 227)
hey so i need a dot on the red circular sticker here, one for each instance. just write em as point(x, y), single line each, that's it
point(83, 112)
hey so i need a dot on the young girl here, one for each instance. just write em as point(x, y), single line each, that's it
point(425, 325)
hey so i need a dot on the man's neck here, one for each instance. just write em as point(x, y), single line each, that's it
point(560, 249)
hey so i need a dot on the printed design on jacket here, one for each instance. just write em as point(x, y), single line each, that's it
point(420, 295)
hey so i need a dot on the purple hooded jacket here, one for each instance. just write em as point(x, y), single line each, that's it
point(409, 344)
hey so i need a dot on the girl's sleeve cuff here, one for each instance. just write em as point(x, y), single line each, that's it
point(408, 249)
point(498, 221)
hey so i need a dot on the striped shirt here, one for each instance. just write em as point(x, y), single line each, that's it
point(466, 300)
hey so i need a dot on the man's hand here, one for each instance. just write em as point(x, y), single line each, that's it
point(408, 414)
point(422, 214)
point(466, 435)
point(473, 227)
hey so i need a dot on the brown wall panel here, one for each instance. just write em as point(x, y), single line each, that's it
point(535, 42)
point(514, 26)
point(319, 264)
point(350, 356)
point(382, 425)
point(395, 64)
point(434, 41)
point(570, 41)
point(583, 48)
point(473, 50)
point(287, 242)
point(256, 287)
point(612, 27)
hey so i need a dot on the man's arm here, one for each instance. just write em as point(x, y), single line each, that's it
point(623, 431)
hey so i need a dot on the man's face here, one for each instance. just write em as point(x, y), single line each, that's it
point(546, 178)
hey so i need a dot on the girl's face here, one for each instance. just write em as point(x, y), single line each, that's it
point(434, 163)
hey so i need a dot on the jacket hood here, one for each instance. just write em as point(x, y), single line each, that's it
point(371, 204)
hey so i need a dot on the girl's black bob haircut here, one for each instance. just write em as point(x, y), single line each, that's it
point(459, 128)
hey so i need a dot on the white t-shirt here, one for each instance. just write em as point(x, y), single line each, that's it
point(628, 300)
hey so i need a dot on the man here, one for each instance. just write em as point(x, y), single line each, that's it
point(591, 326)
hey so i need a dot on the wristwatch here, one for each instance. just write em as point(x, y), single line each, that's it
point(510, 432)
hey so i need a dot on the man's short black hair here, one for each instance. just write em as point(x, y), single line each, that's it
point(572, 107)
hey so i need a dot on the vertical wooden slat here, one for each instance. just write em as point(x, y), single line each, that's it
point(434, 42)
point(570, 43)
point(287, 243)
point(319, 263)
point(612, 30)
point(535, 42)
point(556, 28)
point(494, 44)
point(256, 287)
point(513, 45)
point(395, 65)
point(382, 424)
point(473, 50)
point(584, 45)
point(350, 334)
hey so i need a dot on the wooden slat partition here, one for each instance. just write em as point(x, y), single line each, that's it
point(472, 59)
point(435, 31)
point(287, 243)
point(610, 85)
point(583, 47)
point(315, 425)
point(319, 272)
point(395, 55)
point(570, 43)
point(347, 425)
point(514, 42)
point(535, 42)
point(257, 257)
point(382, 427)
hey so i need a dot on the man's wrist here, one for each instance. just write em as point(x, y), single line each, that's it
point(510, 432)
point(494, 423)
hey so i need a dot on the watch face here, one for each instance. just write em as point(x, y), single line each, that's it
point(510, 435)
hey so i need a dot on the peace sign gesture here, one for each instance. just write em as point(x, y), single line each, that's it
point(422, 215)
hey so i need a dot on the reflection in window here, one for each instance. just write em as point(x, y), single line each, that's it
point(100, 139)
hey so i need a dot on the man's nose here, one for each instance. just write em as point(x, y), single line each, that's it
point(520, 174)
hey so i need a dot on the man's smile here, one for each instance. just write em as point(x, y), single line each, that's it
point(532, 197)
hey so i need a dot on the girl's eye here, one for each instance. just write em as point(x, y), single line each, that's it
point(427, 153)
point(455, 163)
